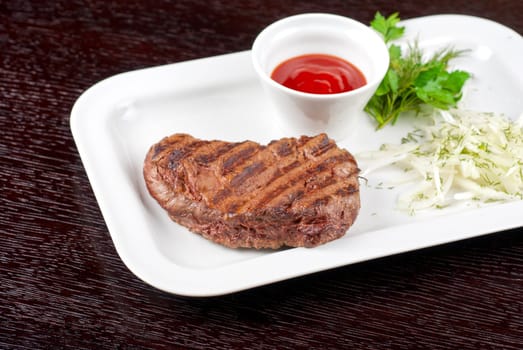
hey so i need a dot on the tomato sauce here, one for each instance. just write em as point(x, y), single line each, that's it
point(318, 74)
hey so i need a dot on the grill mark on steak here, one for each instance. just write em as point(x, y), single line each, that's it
point(322, 146)
point(288, 168)
point(178, 154)
point(247, 172)
point(326, 191)
point(284, 147)
point(346, 191)
point(209, 158)
point(158, 148)
point(239, 157)
point(322, 150)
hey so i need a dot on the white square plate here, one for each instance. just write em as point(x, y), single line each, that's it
point(117, 120)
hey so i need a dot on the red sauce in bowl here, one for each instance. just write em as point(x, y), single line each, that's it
point(318, 74)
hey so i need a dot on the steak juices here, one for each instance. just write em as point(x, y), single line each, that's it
point(318, 74)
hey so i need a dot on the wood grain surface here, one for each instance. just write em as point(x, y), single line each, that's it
point(62, 284)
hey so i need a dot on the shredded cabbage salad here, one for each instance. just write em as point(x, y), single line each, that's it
point(461, 156)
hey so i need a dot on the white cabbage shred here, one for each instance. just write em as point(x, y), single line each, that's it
point(461, 156)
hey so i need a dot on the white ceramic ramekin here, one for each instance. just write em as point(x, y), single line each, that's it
point(301, 113)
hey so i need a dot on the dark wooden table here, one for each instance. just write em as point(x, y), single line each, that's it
point(62, 284)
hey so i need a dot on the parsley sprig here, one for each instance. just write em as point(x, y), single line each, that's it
point(412, 81)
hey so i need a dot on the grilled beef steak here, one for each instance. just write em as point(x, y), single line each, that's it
point(292, 192)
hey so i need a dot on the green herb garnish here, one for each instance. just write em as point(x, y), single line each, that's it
point(412, 81)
